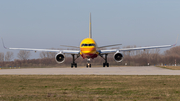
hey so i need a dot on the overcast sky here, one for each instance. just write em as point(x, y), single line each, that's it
point(51, 23)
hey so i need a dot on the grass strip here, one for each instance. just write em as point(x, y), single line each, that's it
point(89, 88)
point(170, 67)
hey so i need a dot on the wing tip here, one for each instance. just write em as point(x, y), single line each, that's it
point(176, 40)
point(4, 44)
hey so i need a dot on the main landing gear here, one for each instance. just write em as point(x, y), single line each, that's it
point(74, 64)
point(105, 58)
point(88, 63)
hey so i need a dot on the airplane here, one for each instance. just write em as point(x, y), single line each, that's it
point(88, 49)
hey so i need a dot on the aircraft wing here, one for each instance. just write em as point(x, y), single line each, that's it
point(133, 49)
point(137, 48)
point(46, 50)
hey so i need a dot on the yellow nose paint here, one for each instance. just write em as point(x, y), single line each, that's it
point(88, 48)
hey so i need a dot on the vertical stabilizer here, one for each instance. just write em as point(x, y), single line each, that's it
point(90, 31)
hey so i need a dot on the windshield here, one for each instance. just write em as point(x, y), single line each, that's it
point(88, 45)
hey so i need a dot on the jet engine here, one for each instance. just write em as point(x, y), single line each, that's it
point(60, 58)
point(118, 57)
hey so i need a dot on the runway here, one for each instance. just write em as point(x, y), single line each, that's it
point(143, 70)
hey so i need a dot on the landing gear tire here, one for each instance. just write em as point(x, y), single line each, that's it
point(105, 58)
point(73, 65)
point(105, 64)
point(88, 65)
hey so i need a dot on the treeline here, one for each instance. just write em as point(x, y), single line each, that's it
point(135, 58)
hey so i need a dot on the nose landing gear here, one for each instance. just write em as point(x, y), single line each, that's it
point(88, 63)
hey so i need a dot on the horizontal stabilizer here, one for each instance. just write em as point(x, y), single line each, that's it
point(109, 45)
point(69, 46)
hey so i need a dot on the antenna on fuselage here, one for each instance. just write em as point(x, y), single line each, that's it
point(90, 31)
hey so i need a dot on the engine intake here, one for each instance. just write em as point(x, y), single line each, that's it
point(60, 58)
point(118, 57)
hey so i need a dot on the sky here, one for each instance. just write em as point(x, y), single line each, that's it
point(51, 23)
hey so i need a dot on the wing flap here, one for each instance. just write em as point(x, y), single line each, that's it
point(142, 48)
point(48, 50)
point(32, 49)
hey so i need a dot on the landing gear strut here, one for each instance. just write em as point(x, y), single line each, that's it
point(88, 63)
point(74, 64)
point(106, 63)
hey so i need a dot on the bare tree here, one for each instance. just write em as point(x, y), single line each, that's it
point(47, 55)
point(1, 56)
point(9, 56)
point(42, 55)
point(23, 55)
point(173, 51)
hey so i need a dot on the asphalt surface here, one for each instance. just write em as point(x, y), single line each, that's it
point(143, 70)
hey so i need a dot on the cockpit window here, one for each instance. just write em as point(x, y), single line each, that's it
point(88, 45)
point(91, 44)
point(82, 45)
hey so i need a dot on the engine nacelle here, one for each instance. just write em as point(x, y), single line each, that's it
point(60, 58)
point(118, 57)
